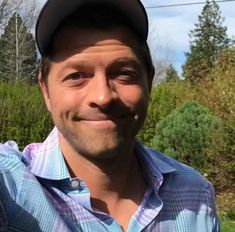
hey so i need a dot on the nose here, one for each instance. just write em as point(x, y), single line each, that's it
point(101, 91)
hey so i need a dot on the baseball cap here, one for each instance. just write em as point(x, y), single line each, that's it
point(55, 12)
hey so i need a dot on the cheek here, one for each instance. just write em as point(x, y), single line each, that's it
point(63, 101)
point(137, 99)
point(135, 96)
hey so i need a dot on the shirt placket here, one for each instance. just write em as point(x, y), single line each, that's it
point(94, 220)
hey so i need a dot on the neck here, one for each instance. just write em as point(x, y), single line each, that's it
point(116, 184)
point(102, 174)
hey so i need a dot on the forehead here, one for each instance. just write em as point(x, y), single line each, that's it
point(70, 40)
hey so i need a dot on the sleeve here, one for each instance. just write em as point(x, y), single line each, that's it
point(8, 157)
point(3, 218)
point(216, 223)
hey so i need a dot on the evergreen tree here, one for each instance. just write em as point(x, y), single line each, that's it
point(207, 40)
point(18, 56)
point(171, 74)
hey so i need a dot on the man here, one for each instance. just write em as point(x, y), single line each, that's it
point(90, 174)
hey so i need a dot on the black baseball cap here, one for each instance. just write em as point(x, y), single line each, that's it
point(56, 11)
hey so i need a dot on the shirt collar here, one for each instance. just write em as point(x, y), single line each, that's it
point(47, 161)
point(155, 165)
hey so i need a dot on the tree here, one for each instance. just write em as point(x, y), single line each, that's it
point(27, 8)
point(3, 4)
point(207, 40)
point(171, 74)
point(18, 56)
point(4, 12)
point(162, 54)
point(218, 94)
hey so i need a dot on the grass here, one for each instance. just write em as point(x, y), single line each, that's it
point(226, 208)
point(227, 225)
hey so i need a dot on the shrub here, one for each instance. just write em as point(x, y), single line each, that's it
point(221, 154)
point(184, 134)
point(23, 115)
point(165, 97)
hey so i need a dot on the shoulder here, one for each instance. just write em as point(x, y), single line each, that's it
point(23, 200)
point(181, 169)
point(10, 156)
point(12, 163)
point(183, 176)
point(12, 170)
point(184, 191)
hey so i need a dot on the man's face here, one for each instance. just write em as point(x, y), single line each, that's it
point(97, 91)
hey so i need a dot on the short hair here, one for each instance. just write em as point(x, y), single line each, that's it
point(104, 18)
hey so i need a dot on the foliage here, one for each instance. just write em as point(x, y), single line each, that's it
point(226, 224)
point(184, 134)
point(165, 97)
point(18, 56)
point(225, 203)
point(207, 40)
point(221, 154)
point(23, 116)
point(217, 92)
point(171, 74)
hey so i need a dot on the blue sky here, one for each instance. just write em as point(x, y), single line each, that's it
point(169, 27)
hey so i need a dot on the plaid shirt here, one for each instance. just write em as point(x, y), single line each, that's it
point(38, 194)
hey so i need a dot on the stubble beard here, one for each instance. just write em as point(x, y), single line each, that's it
point(95, 145)
point(98, 144)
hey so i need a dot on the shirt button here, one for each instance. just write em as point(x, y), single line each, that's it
point(74, 184)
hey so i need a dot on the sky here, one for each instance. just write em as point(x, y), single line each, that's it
point(169, 27)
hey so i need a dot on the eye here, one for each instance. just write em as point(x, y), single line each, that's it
point(125, 75)
point(77, 76)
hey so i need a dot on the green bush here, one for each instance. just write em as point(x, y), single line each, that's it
point(23, 115)
point(184, 134)
point(165, 97)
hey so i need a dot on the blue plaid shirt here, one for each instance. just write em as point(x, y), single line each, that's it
point(37, 193)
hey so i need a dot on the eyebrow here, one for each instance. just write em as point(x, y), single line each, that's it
point(130, 62)
point(77, 63)
point(126, 61)
point(123, 61)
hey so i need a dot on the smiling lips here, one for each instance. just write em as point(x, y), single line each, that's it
point(104, 121)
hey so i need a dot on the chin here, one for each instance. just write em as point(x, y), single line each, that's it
point(100, 149)
point(98, 144)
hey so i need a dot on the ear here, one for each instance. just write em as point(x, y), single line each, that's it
point(45, 91)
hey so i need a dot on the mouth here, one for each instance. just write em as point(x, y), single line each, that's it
point(105, 122)
point(101, 124)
